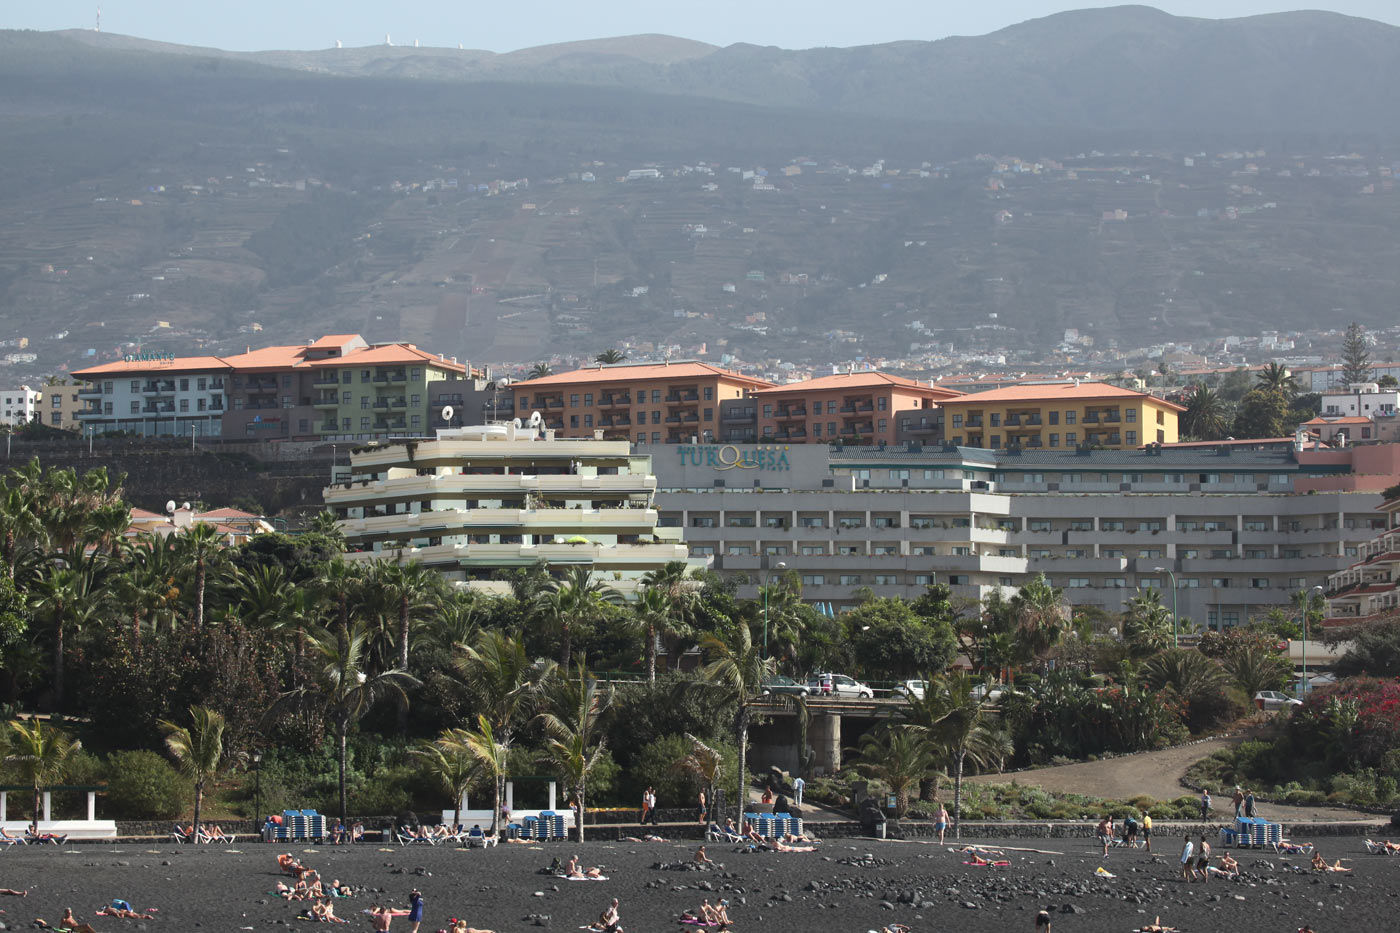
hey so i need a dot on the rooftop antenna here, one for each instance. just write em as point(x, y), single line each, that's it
point(387, 40)
point(337, 44)
point(98, 27)
point(415, 43)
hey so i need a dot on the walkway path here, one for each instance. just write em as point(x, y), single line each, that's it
point(1156, 774)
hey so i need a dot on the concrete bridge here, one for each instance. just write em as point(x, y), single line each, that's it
point(835, 723)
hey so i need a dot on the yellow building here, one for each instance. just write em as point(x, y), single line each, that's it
point(1059, 415)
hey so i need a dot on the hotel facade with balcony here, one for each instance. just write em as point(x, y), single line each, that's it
point(647, 403)
point(1241, 530)
point(477, 501)
point(1369, 590)
point(1059, 415)
point(854, 408)
point(337, 388)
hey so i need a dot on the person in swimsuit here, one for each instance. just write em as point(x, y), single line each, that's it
point(610, 921)
point(701, 858)
point(415, 909)
point(460, 926)
point(381, 917)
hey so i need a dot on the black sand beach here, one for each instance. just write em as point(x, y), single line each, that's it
point(849, 885)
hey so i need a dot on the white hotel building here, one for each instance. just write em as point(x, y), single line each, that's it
point(1240, 529)
point(477, 500)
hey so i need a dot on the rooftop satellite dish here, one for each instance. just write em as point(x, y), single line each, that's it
point(503, 381)
point(185, 506)
point(536, 419)
point(170, 506)
point(447, 413)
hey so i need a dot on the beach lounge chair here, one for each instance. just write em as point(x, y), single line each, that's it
point(7, 840)
point(475, 838)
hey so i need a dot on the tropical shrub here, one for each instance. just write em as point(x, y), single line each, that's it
point(142, 785)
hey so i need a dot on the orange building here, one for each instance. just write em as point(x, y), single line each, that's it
point(648, 403)
point(858, 408)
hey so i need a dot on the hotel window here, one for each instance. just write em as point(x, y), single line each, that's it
point(1160, 420)
point(656, 395)
point(1188, 583)
point(1221, 553)
point(1151, 553)
point(1054, 440)
point(923, 579)
point(587, 399)
point(1081, 524)
point(1189, 553)
point(702, 521)
point(364, 424)
point(1291, 553)
point(1008, 552)
point(1130, 415)
point(1054, 417)
point(702, 550)
point(739, 550)
point(884, 425)
point(957, 579)
point(962, 551)
point(1040, 524)
point(135, 385)
point(882, 403)
point(415, 374)
point(573, 421)
point(885, 550)
point(709, 393)
point(933, 474)
point(831, 428)
point(1077, 582)
point(573, 400)
point(812, 522)
point(1256, 554)
point(813, 550)
point(775, 550)
point(364, 375)
point(996, 419)
point(1231, 618)
point(136, 408)
point(184, 404)
point(848, 550)
point(202, 404)
point(1070, 417)
point(957, 421)
point(347, 397)
point(813, 579)
point(886, 579)
point(1111, 553)
point(1042, 552)
point(1116, 583)
point(588, 421)
point(344, 424)
point(415, 421)
point(1259, 583)
point(656, 437)
point(415, 400)
point(655, 419)
point(767, 411)
point(709, 414)
point(1130, 437)
point(849, 579)
point(1220, 583)
point(1297, 583)
point(1071, 438)
point(925, 550)
point(364, 402)
point(641, 437)
point(1150, 526)
point(1111, 524)
point(996, 441)
point(816, 429)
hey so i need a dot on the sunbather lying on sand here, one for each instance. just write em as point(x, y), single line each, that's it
point(1156, 927)
point(123, 910)
point(709, 915)
point(572, 869)
point(13, 892)
point(460, 926)
point(68, 922)
point(1320, 864)
point(784, 847)
point(974, 859)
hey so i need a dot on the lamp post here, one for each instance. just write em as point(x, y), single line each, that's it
point(257, 788)
point(984, 651)
point(1172, 574)
point(1307, 610)
point(781, 567)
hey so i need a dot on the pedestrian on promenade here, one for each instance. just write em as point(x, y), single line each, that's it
point(797, 785)
point(1249, 803)
point(1205, 805)
point(702, 810)
point(646, 805)
point(1238, 801)
point(940, 823)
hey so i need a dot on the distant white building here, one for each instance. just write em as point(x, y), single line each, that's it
point(20, 405)
point(1360, 400)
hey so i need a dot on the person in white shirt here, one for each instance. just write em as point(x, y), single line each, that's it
point(797, 786)
point(1187, 865)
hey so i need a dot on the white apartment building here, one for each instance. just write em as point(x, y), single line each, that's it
point(19, 405)
point(1360, 400)
point(478, 500)
point(1369, 590)
point(150, 401)
point(1239, 530)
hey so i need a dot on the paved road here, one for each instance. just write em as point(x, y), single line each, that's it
point(1156, 774)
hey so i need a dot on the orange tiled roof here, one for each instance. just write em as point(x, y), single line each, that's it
point(1341, 419)
point(388, 354)
point(333, 341)
point(226, 513)
point(862, 380)
point(268, 358)
point(180, 364)
point(639, 371)
point(1057, 392)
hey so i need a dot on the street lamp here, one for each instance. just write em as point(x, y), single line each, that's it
point(1171, 574)
point(1307, 610)
point(257, 787)
point(781, 567)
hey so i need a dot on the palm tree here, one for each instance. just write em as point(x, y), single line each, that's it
point(705, 762)
point(1187, 672)
point(540, 370)
point(736, 673)
point(504, 681)
point(344, 687)
point(1041, 619)
point(66, 598)
point(199, 749)
point(1205, 417)
point(324, 523)
point(18, 523)
point(201, 545)
point(414, 591)
point(572, 602)
point(610, 356)
point(40, 755)
point(448, 763)
point(652, 614)
point(1277, 378)
point(901, 756)
point(953, 716)
point(148, 587)
point(1254, 667)
point(575, 742)
point(484, 746)
point(1147, 624)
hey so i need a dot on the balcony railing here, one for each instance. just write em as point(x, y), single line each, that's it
point(615, 401)
point(326, 379)
point(974, 421)
point(677, 397)
point(739, 414)
point(792, 412)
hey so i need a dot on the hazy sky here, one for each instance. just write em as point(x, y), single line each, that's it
point(311, 24)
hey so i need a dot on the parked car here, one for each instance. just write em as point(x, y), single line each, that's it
point(784, 686)
point(1273, 699)
point(988, 693)
point(913, 689)
point(839, 685)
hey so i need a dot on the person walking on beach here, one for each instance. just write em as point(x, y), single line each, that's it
point(1238, 800)
point(702, 809)
point(941, 822)
point(1249, 803)
point(1104, 833)
point(415, 909)
point(1187, 850)
point(1042, 922)
point(1202, 859)
point(797, 785)
point(1205, 805)
point(1147, 832)
point(381, 917)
